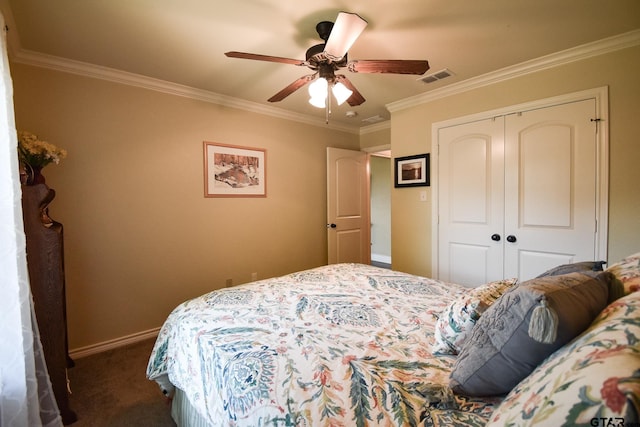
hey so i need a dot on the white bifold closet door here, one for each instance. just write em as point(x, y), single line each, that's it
point(517, 194)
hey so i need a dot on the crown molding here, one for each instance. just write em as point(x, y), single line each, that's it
point(600, 47)
point(375, 127)
point(57, 63)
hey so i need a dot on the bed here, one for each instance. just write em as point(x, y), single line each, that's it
point(338, 345)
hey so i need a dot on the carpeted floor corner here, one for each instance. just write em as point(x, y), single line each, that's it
point(110, 389)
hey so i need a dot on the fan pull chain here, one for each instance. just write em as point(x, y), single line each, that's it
point(328, 108)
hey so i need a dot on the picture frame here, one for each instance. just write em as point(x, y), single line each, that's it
point(412, 171)
point(234, 171)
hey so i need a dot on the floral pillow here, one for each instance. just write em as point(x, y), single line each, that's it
point(457, 320)
point(596, 376)
point(627, 272)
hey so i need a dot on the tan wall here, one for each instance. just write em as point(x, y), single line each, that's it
point(376, 138)
point(139, 236)
point(411, 219)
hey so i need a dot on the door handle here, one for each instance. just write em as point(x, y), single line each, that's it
point(495, 237)
point(511, 238)
point(331, 225)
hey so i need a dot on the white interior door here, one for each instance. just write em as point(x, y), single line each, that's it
point(550, 194)
point(471, 193)
point(348, 216)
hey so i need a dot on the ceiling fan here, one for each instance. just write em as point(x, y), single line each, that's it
point(328, 57)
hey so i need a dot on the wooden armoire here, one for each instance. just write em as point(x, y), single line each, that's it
point(45, 262)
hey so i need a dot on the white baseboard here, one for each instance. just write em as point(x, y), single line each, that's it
point(381, 258)
point(81, 352)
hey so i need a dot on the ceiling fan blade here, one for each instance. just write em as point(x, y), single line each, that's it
point(347, 28)
point(292, 88)
point(390, 66)
point(257, 57)
point(356, 97)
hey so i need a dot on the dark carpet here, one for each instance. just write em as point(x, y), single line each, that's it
point(111, 389)
point(381, 264)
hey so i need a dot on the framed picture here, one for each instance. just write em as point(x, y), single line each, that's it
point(412, 171)
point(234, 171)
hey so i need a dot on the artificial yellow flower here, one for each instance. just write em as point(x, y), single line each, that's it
point(37, 153)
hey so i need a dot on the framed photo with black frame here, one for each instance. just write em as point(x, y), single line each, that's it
point(412, 171)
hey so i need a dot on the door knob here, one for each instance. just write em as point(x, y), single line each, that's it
point(495, 237)
point(331, 225)
point(511, 238)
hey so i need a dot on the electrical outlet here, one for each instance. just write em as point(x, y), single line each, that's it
point(254, 277)
point(229, 283)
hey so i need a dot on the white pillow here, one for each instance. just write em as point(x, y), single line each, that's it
point(457, 320)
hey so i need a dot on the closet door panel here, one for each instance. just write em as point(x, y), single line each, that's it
point(532, 263)
point(470, 180)
point(550, 176)
point(468, 263)
point(471, 202)
point(545, 176)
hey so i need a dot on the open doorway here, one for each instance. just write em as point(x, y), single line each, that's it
point(381, 183)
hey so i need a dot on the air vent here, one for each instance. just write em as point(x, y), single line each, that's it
point(439, 75)
point(374, 119)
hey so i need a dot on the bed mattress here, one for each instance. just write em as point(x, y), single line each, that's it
point(344, 344)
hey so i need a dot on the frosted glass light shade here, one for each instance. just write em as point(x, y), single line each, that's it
point(341, 92)
point(318, 89)
point(318, 102)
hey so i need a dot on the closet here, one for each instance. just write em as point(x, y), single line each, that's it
point(519, 192)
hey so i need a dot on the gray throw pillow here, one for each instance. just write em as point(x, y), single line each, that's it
point(592, 268)
point(576, 267)
point(501, 351)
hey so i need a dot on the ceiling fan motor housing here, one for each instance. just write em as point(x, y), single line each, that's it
point(314, 51)
point(316, 57)
point(324, 29)
point(327, 71)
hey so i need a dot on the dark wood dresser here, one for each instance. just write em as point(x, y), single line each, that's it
point(45, 261)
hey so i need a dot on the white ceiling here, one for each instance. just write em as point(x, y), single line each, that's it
point(183, 41)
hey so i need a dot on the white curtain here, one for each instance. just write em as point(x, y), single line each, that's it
point(26, 397)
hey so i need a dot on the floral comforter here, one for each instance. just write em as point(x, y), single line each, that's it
point(340, 345)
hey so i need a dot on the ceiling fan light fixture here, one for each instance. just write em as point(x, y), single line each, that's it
point(341, 92)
